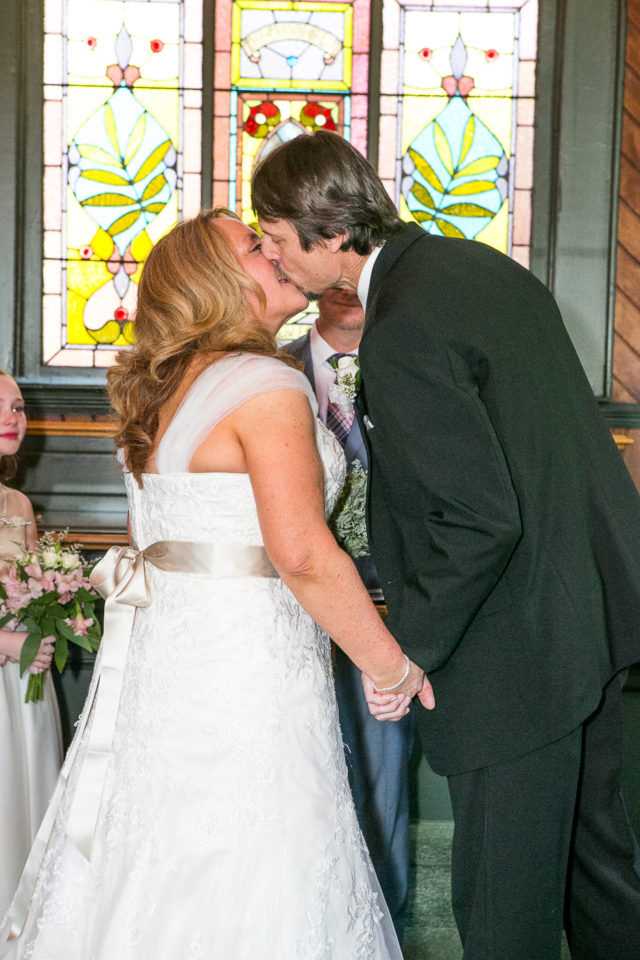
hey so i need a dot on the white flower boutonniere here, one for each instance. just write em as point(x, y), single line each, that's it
point(344, 390)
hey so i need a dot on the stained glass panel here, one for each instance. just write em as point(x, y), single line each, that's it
point(457, 112)
point(284, 68)
point(122, 135)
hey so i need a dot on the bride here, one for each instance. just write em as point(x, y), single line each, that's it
point(203, 811)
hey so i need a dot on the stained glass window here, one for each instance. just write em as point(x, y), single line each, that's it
point(122, 115)
point(457, 111)
point(122, 118)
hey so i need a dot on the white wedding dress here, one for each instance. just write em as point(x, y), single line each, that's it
point(227, 829)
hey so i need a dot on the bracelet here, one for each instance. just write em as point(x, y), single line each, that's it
point(395, 685)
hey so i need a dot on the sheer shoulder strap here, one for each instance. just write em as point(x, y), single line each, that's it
point(216, 393)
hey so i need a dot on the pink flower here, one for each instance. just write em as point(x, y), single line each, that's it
point(79, 625)
point(67, 582)
point(33, 570)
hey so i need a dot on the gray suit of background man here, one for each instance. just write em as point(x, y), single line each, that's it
point(377, 753)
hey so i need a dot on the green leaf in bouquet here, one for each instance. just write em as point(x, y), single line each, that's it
point(64, 630)
point(84, 642)
point(32, 625)
point(5, 619)
point(57, 610)
point(85, 596)
point(61, 653)
point(48, 627)
point(3, 592)
point(29, 648)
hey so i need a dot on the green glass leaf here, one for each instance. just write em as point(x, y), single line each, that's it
point(422, 195)
point(467, 210)
point(442, 146)
point(478, 166)
point(152, 161)
point(153, 187)
point(105, 176)
point(124, 222)
point(136, 138)
point(108, 200)
point(96, 154)
point(449, 230)
point(421, 215)
point(110, 127)
point(467, 137)
point(426, 170)
point(474, 186)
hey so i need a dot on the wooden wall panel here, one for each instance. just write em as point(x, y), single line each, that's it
point(626, 352)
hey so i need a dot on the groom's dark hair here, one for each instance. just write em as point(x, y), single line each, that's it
point(324, 187)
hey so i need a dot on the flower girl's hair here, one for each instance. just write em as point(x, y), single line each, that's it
point(192, 301)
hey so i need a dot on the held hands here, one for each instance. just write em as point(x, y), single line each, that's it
point(395, 706)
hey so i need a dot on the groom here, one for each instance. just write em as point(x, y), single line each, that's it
point(506, 532)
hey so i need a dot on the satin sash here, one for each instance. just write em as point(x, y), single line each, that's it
point(121, 578)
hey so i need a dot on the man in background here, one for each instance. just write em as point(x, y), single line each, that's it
point(377, 753)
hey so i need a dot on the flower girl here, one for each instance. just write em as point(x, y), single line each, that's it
point(29, 732)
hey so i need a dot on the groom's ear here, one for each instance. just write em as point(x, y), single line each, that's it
point(334, 244)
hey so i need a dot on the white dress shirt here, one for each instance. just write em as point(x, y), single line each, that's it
point(365, 277)
point(323, 372)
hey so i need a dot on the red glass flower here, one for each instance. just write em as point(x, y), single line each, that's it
point(425, 54)
point(491, 55)
point(156, 46)
point(92, 43)
point(317, 117)
point(121, 314)
point(261, 119)
point(86, 252)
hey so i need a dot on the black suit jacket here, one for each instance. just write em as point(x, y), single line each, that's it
point(504, 525)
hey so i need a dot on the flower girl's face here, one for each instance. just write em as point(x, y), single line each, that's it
point(13, 421)
point(283, 299)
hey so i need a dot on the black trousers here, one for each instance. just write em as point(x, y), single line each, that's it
point(543, 842)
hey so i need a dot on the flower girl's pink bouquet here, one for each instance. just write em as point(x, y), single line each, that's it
point(48, 592)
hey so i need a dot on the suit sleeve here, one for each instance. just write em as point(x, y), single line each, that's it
point(452, 518)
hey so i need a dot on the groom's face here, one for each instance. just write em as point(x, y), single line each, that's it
point(314, 270)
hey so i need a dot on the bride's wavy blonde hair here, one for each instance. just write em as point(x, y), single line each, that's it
point(192, 301)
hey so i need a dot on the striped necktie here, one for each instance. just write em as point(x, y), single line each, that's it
point(339, 421)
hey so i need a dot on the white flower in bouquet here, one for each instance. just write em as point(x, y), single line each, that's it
point(49, 558)
point(69, 560)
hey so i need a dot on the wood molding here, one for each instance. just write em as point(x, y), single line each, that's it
point(89, 540)
point(71, 428)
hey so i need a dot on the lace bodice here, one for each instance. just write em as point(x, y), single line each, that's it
point(177, 505)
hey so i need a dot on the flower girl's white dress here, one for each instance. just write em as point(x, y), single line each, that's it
point(30, 737)
point(227, 830)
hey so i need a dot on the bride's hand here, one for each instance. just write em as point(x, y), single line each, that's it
point(395, 705)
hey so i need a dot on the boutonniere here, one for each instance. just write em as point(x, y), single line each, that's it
point(348, 376)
